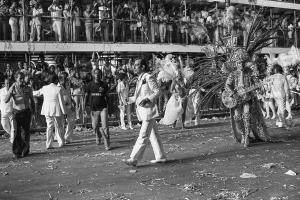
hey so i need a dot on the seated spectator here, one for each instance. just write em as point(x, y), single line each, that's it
point(36, 23)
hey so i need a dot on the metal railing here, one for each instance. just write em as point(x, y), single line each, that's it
point(126, 30)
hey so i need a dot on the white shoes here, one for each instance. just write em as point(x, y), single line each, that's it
point(161, 160)
point(124, 128)
point(279, 124)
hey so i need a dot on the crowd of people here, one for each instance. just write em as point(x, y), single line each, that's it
point(66, 96)
point(133, 22)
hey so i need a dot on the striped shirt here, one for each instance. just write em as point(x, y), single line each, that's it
point(21, 96)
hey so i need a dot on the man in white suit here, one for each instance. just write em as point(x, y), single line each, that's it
point(54, 110)
point(145, 95)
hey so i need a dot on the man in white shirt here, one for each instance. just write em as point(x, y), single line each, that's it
point(36, 24)
point(56, 14)
point(7, 117)
point(123, 92)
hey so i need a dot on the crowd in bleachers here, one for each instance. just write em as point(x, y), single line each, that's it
point(131, 21)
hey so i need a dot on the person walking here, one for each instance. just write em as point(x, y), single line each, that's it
point(96, 97)
point(23, 108)
point(145, 95)
point(70, 110)
point(53, 109)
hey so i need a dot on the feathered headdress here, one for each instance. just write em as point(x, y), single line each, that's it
point(292, 58)
point(211, 71)
point(169, 68)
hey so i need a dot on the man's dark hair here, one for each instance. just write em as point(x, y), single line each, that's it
point(19, 73)
point(122, 76)
point(145, 64)
point(53, 78)
point(63, 75)
point(278, 69)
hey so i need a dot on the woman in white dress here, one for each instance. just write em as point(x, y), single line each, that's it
point(176, 105)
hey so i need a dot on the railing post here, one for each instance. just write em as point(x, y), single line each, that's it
point(295, 28)
point(24, 25)
point(113, 20)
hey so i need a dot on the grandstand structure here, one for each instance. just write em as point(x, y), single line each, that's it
point(9, 49)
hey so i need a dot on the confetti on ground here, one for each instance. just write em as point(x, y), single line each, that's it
point(248, 175)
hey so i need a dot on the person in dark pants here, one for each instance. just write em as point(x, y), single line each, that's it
point(96, 96)
point(23, 108)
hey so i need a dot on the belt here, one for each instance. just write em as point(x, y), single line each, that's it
point(96, 94)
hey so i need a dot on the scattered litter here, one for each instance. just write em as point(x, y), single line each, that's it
point(240, 156)
point(133, 171)
point(248, 175)
point(279, 198)
point(192, 187)
point(271, 165)
point(290, 187)
point(291, 173)
point(26, 162)
point(246, 192)
point(54, 161)
point(83, 191)
point(4, 173)
point(227, 195)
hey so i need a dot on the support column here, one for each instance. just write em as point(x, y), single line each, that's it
point(113, 20)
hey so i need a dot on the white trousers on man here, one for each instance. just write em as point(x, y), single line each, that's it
point(9, 125)
point(148, 132)
point(57, 28)
point(125, 109)
point(70, 120)
point(57, 124)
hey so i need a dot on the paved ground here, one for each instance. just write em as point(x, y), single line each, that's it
point(205, 163)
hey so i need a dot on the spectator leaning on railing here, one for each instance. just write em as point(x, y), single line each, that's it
point(88, 14)
point(36, 23)
point(56, 13)
point(13, 20)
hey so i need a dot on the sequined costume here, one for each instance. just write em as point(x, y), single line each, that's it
point(247, 114)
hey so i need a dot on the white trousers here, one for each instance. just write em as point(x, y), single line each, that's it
point(57, 28)
point(13, 22)
point(148, 132)
point(57, 123)
point(70, 125)
point(9, 125)
point(123, 109)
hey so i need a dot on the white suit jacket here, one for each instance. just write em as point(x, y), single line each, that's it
point(53, 104)
point(146, 87)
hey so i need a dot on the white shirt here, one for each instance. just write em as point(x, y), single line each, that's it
point(5, 107)
point(123, 91)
